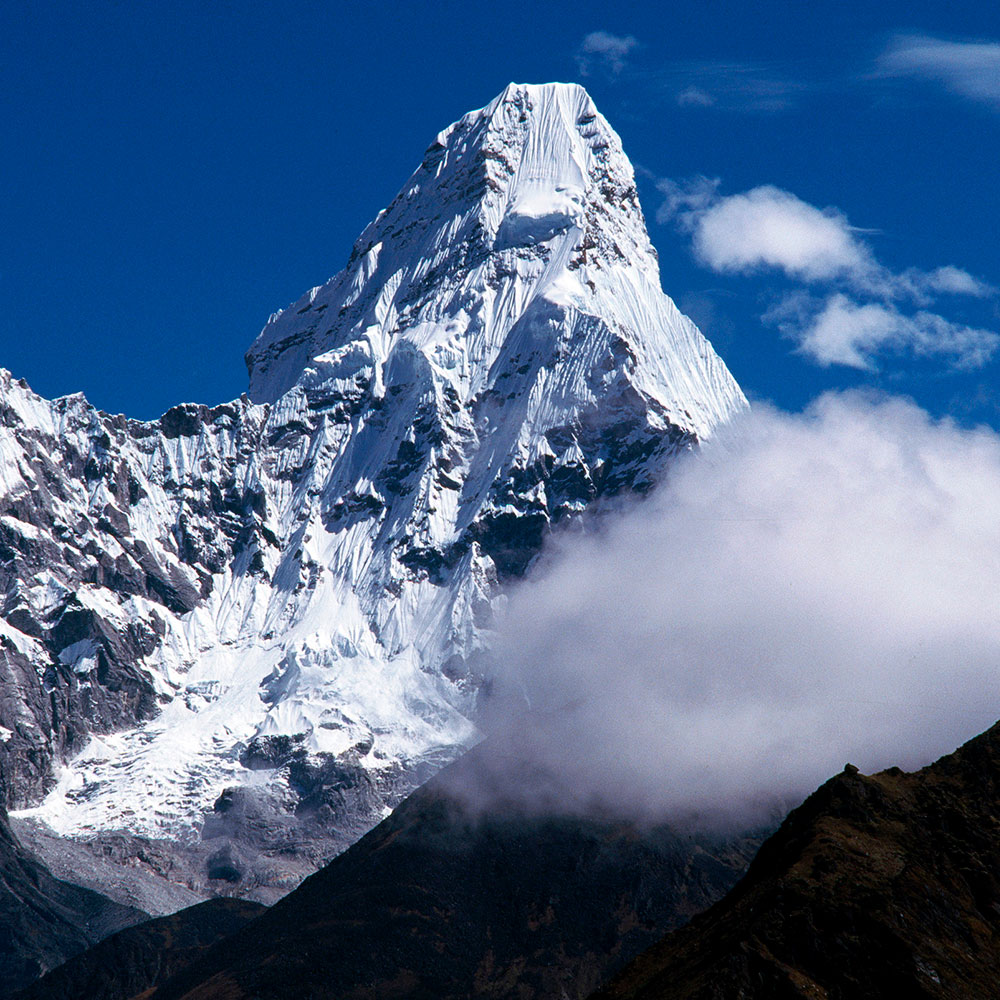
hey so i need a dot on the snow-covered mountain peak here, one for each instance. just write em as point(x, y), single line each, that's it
point(506, 200)
point(256, 625)
point(542, 153)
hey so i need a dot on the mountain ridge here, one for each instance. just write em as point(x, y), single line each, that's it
point(877, 885)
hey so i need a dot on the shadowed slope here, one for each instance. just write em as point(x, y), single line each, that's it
point(436, 902)
point(882, 885)
point(139, 958)
point(44, 921)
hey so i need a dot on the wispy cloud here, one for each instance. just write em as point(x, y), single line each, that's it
point(969, 69)
point(723, 85)
point(769, 228)
point(602, 50)
point(732, 86)
point(695, 97)
point(947, 280)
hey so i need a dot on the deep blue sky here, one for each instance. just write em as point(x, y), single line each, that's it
point(173, 173)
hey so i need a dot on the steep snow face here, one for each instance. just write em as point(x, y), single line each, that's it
point(310, 577)
point(523, 219)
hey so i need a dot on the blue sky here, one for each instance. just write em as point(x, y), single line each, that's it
point(173, 173)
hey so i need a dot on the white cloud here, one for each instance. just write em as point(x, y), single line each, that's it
point(954, 281)
point(820, 588)
point(840, 331)
point(601, 48)
point(769, 227)
point(970, 69)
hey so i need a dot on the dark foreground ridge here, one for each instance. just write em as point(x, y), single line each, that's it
point(877, 886)
point(134, 960)
point(44, 921)
point(440, 903)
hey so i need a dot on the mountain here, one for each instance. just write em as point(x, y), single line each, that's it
point(877, 886)
point(233, 638)
point(440, 901)
point(44, 921)
point(139, 958)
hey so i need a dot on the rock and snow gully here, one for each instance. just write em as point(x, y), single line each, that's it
point(248, 630)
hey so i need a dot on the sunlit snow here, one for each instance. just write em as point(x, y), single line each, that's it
point(506, 302)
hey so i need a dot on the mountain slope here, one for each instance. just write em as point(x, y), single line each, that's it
point(251, 629)
point(137, 959)
point(441, 902)
point(882, 885)
point(44, 921)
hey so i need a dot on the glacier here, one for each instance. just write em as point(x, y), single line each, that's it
point(252, 628)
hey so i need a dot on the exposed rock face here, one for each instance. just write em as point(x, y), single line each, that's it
point(440, 903)
point(103, 540)
point(876, 886)
point(253, 628)
point(44, 921)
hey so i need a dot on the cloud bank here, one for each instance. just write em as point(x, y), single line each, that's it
point(768, 228)
point(815, 589)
